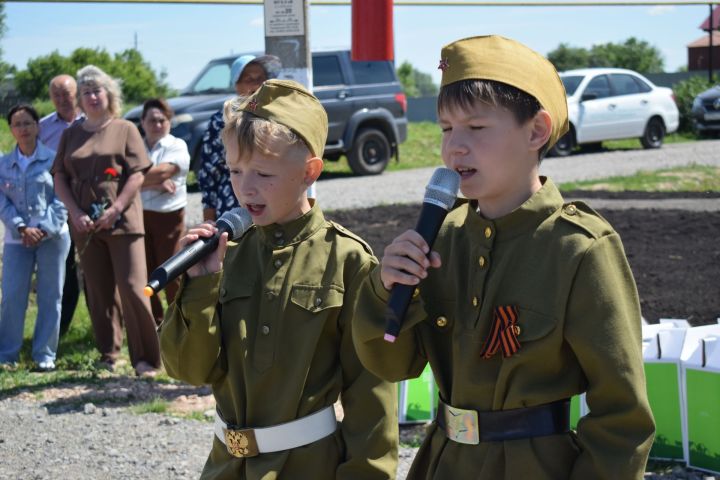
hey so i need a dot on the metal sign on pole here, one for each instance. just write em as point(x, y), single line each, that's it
point(288, 38)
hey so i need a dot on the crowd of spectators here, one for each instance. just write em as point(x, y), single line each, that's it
point(82, 184)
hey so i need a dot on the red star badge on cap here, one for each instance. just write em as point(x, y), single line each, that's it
point(444, 64)
point(252, 105)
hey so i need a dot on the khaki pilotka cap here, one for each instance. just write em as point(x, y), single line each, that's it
point(503, 60)
point(288, 103)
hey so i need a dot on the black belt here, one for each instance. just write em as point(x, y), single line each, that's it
point(472, 427)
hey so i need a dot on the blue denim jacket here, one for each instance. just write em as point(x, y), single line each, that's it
point(28, 198)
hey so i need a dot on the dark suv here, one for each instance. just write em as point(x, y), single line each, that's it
point(364, 101)
point(706, 111)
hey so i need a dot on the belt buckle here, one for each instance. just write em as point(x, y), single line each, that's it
point(241, 443)
point(461, 425)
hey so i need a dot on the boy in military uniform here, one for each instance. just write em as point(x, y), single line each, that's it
point(269, 327)
point(525, 301)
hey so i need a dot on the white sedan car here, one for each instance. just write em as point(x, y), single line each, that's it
point(614, 103)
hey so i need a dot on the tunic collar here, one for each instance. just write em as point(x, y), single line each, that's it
point(527, 216)
point(294, 232)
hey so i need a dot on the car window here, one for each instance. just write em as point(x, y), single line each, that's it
point(215, 78)
point(624, 84)
point(599, 86)
point(571, 83)
point(372, 72)
point(326, 71)
point(643, 86)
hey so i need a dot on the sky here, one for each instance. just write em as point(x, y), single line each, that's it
point(180, 39)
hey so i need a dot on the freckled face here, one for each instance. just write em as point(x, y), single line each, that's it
point(271, 188)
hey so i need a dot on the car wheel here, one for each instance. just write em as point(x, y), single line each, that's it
point(370, 153)
point(564, 146)
point(654, 134)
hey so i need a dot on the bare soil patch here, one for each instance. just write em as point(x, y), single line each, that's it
point(674, 254)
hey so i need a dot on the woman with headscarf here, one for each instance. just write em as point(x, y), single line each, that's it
point(246, 74)
point(99, 169)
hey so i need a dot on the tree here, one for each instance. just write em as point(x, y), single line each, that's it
point(138, 80)
point(633, 54)
point(416, 83)
point(565, 57)
point(5, 68)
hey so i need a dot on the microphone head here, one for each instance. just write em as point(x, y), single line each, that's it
point(442, 188)
point(236, 221)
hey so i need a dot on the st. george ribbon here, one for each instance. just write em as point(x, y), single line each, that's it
point(235, 222)
point(440, 196)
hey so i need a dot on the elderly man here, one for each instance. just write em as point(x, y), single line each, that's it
point(63, 91)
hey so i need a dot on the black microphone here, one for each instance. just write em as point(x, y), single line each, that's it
point(440, 195)
point(234, 222)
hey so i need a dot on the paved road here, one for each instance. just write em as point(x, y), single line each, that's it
point(408, 186)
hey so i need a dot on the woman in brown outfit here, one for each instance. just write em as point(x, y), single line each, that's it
point(99, 168)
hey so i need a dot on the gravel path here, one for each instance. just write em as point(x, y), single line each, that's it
point(88, 442)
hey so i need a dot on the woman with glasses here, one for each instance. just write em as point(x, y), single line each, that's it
point(36, 237)
point(164, 193)
point(99, 169)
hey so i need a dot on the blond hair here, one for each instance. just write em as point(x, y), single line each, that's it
point(92, 76)
point(253, 133)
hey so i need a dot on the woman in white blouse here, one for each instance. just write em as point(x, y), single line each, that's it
point(164, 193)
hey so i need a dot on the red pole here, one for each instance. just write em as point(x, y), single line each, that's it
point(372, 30)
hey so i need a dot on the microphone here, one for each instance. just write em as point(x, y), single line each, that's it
point(234, 222)
point(440, 195)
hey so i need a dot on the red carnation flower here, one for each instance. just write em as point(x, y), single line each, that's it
point(111, 173)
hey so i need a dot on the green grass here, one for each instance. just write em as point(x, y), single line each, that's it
point(156, 405)
point(421, 149)
point(634, 143)
point(7, 142)
point(76, 359)
point(691, 178)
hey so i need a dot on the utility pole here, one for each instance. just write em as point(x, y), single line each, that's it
point(287, 36)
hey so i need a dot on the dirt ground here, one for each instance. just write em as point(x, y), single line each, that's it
point(674, 254)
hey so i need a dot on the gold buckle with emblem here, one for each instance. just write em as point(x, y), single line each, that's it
point(461, 425)
point(241, 443)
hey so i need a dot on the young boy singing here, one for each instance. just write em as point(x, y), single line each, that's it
point(269, 327)
point(525, 301)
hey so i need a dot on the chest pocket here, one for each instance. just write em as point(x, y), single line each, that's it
point(41, 191)
point(534, 325)
point(316, 299)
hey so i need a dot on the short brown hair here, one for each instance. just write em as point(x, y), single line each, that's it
point(465, 93)
point(160, 104)
point(256, 133)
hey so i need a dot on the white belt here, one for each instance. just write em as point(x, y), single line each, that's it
point(250, 442)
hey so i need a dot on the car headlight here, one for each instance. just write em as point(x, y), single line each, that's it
point(697, 103)
point(180, 119)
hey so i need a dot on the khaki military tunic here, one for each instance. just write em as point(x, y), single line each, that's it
point(564, 268)
point(272, 336)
